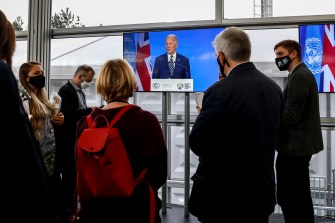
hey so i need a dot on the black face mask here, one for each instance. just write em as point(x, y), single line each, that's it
point(222, 67)
point(283, 62)
point(37, 81)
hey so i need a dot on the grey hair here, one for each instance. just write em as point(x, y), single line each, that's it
point(234, 43)
point(172, 36)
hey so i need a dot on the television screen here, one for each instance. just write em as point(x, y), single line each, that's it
point(318, 53)
point(147, 54)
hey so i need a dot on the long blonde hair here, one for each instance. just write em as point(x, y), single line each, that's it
point(40, 107)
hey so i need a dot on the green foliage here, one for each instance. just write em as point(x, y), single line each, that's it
point(65, 19)
point(17, 24)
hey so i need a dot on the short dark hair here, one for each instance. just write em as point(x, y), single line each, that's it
point(290, 45)
point(85, 69)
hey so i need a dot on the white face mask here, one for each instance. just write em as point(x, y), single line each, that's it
point(85, 85)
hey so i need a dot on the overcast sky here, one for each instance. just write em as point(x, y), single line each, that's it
point(109, 12)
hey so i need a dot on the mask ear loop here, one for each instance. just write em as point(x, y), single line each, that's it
point(290, 54)
point(225, 61)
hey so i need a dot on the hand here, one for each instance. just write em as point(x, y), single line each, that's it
point(58, 119)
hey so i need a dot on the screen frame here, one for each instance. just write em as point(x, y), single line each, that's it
point(194, 43)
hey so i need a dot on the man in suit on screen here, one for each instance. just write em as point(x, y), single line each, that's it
point(171, 65)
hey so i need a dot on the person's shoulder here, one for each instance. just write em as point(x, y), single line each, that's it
point(301, 71)
point(216, 87)
point(301, 67)
point(141, 113)
point(4, 67)
point(7, 77)
point(66, 87)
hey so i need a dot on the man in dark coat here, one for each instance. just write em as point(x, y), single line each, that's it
point(300, 134)
point(235, 137)
point(74, 107)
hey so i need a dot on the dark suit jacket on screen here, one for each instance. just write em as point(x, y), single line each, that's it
point(181, 71)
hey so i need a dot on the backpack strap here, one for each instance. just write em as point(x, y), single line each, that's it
point(119, 114)
point(114, 120)
point(89, 121)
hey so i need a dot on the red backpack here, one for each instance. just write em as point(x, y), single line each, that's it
point(103, 167)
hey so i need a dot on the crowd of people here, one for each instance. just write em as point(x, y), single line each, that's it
point(244, 120)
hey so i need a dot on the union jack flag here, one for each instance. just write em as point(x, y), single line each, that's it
point(139, 57)
point(328, 59)
point(143, 61)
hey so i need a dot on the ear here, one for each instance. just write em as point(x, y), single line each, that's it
point(221, 58)
point(294, 54)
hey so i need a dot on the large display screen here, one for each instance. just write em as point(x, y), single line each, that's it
point(141, 50)
point(318, 53)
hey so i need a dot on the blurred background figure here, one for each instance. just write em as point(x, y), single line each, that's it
point(27, 195)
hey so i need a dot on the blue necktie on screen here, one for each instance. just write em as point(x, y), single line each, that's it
point(171, 66)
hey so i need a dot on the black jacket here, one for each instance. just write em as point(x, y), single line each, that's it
point(24, 176)
point(235, 138)
point(66, 134)
point(300, 132)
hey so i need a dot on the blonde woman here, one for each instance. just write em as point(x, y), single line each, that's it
point(143, 139)
point(43, 117)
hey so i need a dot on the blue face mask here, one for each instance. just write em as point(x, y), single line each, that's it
point(37, 81)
